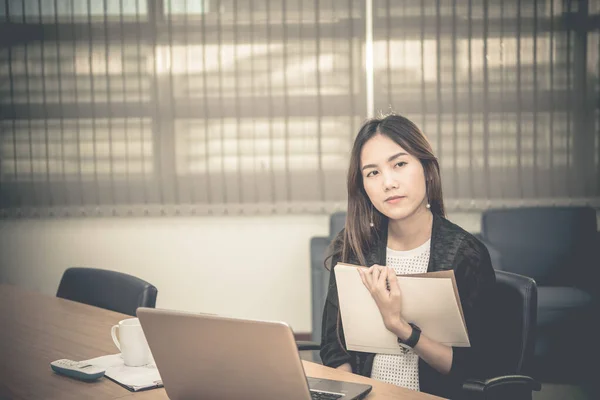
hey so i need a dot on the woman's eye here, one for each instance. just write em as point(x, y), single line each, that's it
point(401, 164)
point(372, 173)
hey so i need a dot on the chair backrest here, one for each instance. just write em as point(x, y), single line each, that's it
point(337, 222)
point(510, 325)
point(111, 290)
point(544, 243)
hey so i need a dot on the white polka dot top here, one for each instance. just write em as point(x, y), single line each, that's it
point(402, 370)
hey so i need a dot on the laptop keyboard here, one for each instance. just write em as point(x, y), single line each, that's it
point(324, 395)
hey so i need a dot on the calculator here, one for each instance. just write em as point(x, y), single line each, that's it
point(81, 370)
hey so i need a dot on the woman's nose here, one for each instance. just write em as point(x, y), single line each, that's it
point(389, 182)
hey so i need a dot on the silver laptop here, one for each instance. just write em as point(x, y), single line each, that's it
point(205, 356)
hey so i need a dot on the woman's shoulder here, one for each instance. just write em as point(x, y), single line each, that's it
point(459, 238)
point(335, 247)
point(334, 250)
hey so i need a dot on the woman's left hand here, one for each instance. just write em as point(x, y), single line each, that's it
point(377, 279)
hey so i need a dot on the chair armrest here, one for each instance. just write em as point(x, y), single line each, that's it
point(495, 255)
point(307, 345)
point(517, 387)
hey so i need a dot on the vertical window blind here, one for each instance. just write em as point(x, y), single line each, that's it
point(120, 107)
point(506, 91)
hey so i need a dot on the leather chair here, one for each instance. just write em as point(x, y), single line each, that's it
point(511, 327)
point(510, 332)
point(106, 289)
point(559, 248)
point(319, 276)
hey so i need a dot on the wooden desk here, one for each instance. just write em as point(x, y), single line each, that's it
point(36, 329)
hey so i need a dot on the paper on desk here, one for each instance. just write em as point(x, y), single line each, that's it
point(428, 300)
point(132, 378)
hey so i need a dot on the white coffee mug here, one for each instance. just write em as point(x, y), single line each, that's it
point(131, 342)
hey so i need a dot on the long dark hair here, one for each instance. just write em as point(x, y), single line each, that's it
point(358, 233)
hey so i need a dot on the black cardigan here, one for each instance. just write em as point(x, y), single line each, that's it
point(451, 248)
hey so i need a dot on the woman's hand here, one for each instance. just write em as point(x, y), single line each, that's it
point(385, 290)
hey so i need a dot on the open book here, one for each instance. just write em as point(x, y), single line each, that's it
point(429, 300)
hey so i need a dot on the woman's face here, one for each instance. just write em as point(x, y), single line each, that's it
point(393, 179)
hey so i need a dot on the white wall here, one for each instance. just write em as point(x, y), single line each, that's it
point(255, 267)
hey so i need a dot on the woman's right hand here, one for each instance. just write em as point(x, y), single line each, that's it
point(385, 290)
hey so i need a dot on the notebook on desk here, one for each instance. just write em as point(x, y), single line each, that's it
point(212, 357)
point(134, 379)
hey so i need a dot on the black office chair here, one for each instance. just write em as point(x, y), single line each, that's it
point(111, 290)
point(510, 331)
point(559, 247)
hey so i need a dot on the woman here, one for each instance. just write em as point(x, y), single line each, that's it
point(396, 225)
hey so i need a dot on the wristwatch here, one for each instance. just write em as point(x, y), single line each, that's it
point(412, 340)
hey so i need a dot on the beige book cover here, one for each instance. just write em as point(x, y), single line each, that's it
point(429, 300)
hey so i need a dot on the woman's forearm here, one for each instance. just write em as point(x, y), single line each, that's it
point(345, 367)
point(437, 355)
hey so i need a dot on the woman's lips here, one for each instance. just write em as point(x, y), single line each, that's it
point(394, 199)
